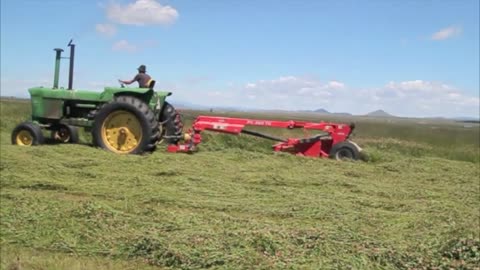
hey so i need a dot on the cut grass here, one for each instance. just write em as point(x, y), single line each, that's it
point(237, 205)
point(14, 258)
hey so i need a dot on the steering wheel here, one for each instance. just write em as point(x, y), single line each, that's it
point(121, 84)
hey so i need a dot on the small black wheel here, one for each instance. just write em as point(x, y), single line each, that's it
point(27, 134)
point(65, 134)
point(345, 151)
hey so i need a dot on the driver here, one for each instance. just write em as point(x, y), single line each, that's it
point(142, 78)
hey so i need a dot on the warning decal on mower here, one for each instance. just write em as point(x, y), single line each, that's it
point(220, 126)
point(259, 123)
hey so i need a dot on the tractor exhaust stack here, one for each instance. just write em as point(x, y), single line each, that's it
point(70, 71)
point(57, 67)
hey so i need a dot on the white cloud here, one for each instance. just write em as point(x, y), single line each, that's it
point(142, 12)
point(415, 98)
point(124, 45)
point(414, 88)
point(301, 85)
point(335, 85)
point(422, 98)
point(447, 33)
point(105, 29)
point(286, 93)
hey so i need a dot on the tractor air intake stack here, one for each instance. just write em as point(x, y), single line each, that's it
point(72, 57)
point(57, 67)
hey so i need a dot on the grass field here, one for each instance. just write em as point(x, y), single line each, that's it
point(415, 204)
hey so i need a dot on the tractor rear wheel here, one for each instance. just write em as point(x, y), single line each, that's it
point(27, 134)
point(345, 151)
point(125, 125)
point(65, 134)
point(172, 124)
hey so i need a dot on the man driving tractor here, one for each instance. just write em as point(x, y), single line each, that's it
point(142, 78)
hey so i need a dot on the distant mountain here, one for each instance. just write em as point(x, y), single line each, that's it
point(379, 113)
point(321, 111)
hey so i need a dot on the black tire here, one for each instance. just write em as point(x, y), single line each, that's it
point(172, 124)
point(64, 134)
point(344, 150)
point(142, 113)
point(33, 132)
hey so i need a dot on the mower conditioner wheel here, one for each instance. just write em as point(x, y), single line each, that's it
point(345, 151)
point(65, 134)
point(125, 125)
point(27, 134)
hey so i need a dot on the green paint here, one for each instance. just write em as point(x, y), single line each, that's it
point(49, 105)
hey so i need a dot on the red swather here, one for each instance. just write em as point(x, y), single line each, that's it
point(314, 146)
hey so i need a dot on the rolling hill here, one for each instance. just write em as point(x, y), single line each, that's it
point(379, 113)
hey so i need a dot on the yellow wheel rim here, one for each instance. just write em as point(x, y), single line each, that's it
point(121, 132)
point(24, 137)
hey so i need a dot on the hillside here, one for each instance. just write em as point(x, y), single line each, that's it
point(321, 111)
point(236, 205)
point(379, 113)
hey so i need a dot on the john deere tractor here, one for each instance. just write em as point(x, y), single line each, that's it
point(121, 120)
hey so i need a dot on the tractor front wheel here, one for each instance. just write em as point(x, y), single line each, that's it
point(65, 134)
point(27, 134)
point(125, 126)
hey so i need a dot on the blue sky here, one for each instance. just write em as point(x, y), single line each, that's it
point(410, 58)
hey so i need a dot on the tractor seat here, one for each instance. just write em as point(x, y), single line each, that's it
point(151, 84)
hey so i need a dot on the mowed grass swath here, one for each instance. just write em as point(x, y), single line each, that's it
point(237, 205)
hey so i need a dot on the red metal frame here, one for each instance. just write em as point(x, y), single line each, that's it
point(315, 146)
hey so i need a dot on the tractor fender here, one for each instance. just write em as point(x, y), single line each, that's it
point(143, 93)
point(145, 96)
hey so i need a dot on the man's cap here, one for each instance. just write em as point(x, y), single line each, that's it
point(142, 68)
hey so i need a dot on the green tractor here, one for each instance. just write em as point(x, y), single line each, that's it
point(121, 120)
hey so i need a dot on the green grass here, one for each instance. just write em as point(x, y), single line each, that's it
point(237, 205)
